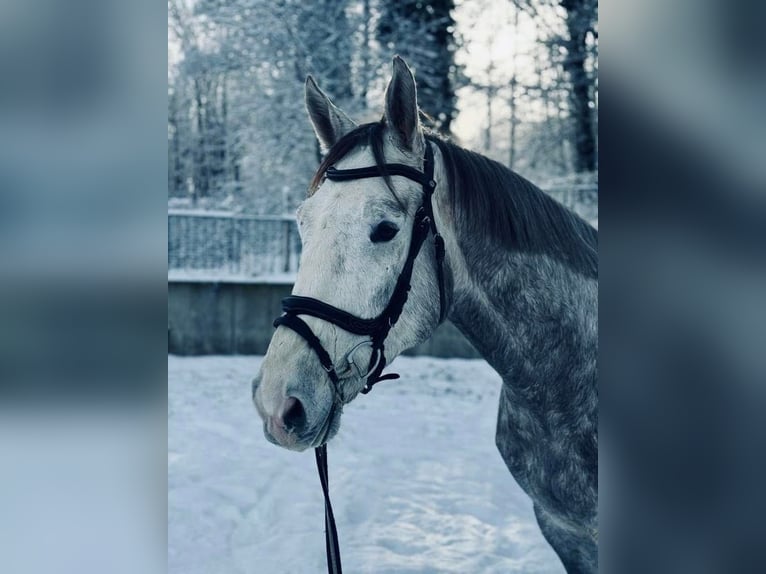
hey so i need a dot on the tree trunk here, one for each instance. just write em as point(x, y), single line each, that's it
point(578, 20)
point(201, 183)
point(422, 34)
point(512, 95)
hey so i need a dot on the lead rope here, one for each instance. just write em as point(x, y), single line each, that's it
point(330, 531)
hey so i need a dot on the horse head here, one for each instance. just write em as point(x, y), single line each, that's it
point(365, 290)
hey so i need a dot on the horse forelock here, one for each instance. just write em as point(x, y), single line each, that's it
point(365, 135)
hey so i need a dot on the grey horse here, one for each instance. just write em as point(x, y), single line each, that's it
point(521, 275)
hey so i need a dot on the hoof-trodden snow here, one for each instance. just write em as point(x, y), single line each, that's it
point(417, 483)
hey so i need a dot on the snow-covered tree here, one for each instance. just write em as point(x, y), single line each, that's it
point(423, 33)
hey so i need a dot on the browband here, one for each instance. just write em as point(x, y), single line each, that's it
point(375, 171)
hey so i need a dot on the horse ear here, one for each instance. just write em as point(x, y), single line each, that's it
point(402, 108)
point(330, 123)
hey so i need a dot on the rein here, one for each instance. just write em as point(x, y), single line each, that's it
point(376, 329)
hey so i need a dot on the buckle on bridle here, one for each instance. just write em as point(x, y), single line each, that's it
point(374, 365)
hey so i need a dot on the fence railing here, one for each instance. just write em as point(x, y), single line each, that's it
point(221, 245)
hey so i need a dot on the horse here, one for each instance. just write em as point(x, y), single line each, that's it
point(513, 269)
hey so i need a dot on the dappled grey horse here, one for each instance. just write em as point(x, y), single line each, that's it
point(517, 274)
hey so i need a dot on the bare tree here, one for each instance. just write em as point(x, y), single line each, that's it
point(237, 133)
point(575, 30)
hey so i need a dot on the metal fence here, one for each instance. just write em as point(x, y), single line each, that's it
point(222, 245)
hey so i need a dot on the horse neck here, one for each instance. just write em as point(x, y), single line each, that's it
point(528, 314)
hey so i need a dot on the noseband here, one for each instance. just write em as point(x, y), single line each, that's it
point(376, 329)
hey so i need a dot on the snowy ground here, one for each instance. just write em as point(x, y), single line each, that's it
point(416, 482)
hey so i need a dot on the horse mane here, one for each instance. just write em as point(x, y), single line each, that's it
point(488, 198)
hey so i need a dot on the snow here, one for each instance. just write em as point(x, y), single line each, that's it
point(416, 481)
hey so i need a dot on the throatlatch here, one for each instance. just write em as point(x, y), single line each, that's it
point(379, 327)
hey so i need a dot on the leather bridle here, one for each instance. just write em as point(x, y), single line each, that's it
point(376, 329)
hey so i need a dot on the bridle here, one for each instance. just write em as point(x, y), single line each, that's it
point(376, 329)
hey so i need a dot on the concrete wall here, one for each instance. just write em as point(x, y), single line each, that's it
point(236, 318)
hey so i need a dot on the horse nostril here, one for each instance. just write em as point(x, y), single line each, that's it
point(293, 414)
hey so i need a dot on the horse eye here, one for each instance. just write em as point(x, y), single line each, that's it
point(384, 231)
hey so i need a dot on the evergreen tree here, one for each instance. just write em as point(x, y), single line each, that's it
point(422, 32)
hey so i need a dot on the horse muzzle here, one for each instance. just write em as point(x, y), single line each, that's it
point(291, 428)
